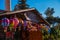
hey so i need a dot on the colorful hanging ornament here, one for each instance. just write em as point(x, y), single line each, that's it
point(5, 22)
point(16, 22)
point(25, 24)
point(11, 24)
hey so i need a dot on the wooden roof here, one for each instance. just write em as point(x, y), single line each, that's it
point(2, 11)
point(27, 10)
point(18, 11)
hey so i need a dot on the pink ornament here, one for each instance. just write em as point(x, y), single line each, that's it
point(16, 22)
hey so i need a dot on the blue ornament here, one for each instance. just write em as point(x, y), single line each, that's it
point(5, 22)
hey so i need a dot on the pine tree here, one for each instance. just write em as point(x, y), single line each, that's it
point(52, 20)
point(49, 16)
point(21, 5)
point(49, 12)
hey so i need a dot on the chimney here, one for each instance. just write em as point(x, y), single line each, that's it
point(7, 5)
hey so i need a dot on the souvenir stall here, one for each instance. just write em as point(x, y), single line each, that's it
point(23, 24)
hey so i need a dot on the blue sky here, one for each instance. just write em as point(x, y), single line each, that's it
point(40, 5)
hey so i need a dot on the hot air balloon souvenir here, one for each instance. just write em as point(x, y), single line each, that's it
point(21, 22)
point(16, 22)
point(5, 22)
point(25, 24)
point(11, 24)
point(29, 25)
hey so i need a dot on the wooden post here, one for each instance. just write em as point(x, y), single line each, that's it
point(7, 5)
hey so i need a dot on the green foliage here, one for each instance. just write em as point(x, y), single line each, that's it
point(49, 16)
point(55, 30)
point(49, 12)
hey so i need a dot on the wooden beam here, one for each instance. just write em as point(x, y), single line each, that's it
point(18, 11)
